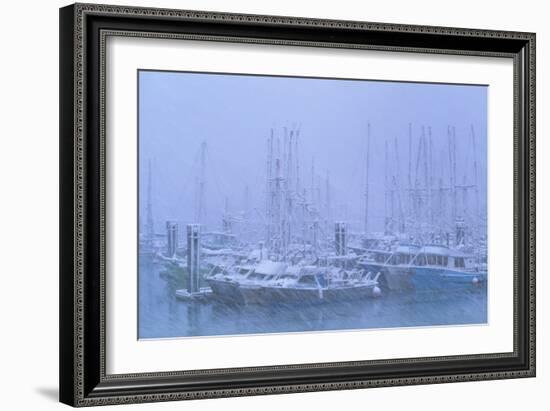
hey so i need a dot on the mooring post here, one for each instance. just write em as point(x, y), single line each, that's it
point(315, 235)
point(460, 228)
point(261, 246)
point(193, 256)
point(340, 237)
point(172, 235)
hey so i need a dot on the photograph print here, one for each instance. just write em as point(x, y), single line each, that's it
point(280, 204)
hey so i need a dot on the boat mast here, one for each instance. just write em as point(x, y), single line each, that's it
point(367, 181)
point(226, 221)
point(296, 155)
point(150, 228)
point(284, 159)
point(327, 198)
point(277, 207)
point(318, 193)
point(441, 203)
point(451, 175)
point(290, 165)
point(476, 188)
point(246, 202)
point(288, 193)
point(453, 131)
point(409, 177)
point(417, 196)
point(312, 189)
point(269, 192)
point(401, 221)
point(426, 173)
point(431, 178)
point(386, 189)
point(200, 211)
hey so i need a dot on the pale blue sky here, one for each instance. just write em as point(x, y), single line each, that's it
point(234, 115)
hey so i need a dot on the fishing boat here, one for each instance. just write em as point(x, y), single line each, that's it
point(224, 281)
point(311, 284)
point(242, 283)
point(380, 260)
point(277, 282)
point(433, 267)
point(252, 287)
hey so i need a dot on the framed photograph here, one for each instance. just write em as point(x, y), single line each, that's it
point(261, 204)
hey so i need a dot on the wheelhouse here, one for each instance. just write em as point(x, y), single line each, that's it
point(404, 255)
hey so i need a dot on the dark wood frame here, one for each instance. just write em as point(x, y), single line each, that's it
point(83, 29)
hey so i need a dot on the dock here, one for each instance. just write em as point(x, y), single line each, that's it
point(202, 295)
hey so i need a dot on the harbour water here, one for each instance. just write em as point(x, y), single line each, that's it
point(161, 315)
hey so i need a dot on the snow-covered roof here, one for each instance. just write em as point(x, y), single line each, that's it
point(376, 236)
point(312, 269)
point(219, 233)
point(435, 250)
point(293, 269)
point(347, 257)
point(244, 267)
point(334, 270)
point(268, 267)
point(459, 253)
point(407, 249)
point(255, 254)
point(222, 251)
point(378, 251)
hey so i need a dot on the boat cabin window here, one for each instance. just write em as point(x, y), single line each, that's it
point(439, 260)
point(349, 264)
point(307, 280)
point(380, 258)
point(434, 259)
point(421, 260)
point(459, 262)
point(403, 258)
point(400, 259)
point(256, 276)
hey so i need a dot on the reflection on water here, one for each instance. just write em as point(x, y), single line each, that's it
point(161, 315)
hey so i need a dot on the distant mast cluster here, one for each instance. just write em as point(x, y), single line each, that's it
point(427, 197)
point(427, 208)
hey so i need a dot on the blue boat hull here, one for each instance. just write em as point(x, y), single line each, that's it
point(436, 278)
point(289, 295)
point(432, 278)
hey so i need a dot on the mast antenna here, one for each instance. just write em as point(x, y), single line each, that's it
point(367, 180)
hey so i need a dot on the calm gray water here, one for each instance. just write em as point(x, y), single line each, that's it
point(162, 315)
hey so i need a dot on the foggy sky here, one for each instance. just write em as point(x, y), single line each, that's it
point(235, 113)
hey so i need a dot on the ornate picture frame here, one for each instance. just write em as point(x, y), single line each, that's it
point(84, 32)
